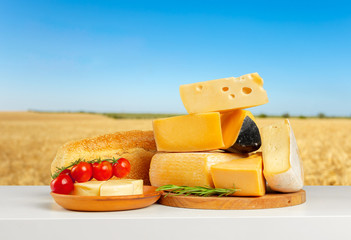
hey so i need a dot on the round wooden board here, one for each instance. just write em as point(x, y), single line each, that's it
point(107, 203)
point(270, 200)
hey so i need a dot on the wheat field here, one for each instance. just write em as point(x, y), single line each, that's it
point(29, 141)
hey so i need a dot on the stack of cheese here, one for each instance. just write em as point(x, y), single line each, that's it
point(214, 144)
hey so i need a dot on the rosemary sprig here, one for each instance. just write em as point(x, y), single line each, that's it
point(198, 191)
point(98, 160)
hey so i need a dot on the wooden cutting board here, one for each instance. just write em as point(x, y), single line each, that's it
point(270, 200)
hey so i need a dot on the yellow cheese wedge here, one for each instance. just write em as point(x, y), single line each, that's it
point(224, 94)
point(233, 131)
point(91, 188)
point(188, 169)
point(244, 174)
point(281, 159)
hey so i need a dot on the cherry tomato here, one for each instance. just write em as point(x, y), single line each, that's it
point(82, 172)
point(66, 172)
point(102, 171)
point(121, 168)
point(63, 184)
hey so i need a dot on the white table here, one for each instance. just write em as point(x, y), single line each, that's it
point(29, 212)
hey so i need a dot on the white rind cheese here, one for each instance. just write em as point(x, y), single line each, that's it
point(283, 169)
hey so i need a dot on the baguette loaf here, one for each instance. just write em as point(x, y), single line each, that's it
point(136, 146)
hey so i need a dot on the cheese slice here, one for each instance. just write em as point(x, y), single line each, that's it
point(117, 188)
point(91, 188)
point(186, 169)
point(244, 174)
point(224, 94)
point(233, 131)
point(281, 159)
point(137, 185)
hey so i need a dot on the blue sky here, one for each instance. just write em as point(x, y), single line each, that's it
point(131, 56)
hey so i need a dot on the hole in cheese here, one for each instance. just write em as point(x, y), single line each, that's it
point(231, 96)
point(224, 89)
point(246, 90)
point(199, 88)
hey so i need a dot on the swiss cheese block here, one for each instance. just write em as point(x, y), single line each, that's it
point(196, 132)
point(186, 169)
point(281, 159)
point(224, 94)
point(90, 188)
point(244, 174)
point(233, 131)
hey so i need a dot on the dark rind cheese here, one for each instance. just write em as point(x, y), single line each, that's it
point(249, 139)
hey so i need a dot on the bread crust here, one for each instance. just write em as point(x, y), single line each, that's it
point(136, 146)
